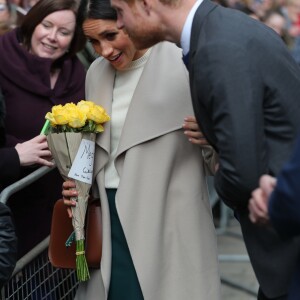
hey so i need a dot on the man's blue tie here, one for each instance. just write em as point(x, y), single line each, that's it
point(185, 59)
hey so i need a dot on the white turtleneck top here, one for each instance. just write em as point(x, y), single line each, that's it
point(124, 87)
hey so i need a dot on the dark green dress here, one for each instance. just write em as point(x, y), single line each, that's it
point(124, 284)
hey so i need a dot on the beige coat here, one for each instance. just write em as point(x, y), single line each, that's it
point(162, 198)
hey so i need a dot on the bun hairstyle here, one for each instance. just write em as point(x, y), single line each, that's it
point(101, 9)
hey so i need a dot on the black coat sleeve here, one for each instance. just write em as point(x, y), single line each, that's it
point(8, 245)
point(9, 165)
point(2, 118)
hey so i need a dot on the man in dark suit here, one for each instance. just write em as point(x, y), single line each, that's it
point(278, 202)
point(245, 88)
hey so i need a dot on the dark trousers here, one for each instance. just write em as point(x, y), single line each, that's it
point(124, 283)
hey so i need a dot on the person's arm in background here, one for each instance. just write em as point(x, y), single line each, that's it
point(284, 205)
point(279, 200)
point(4, 137)
point(34, 151)
point(259, 201)
point(8, 245)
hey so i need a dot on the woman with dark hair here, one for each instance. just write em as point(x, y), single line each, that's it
point(158, 234)
point(39, 69)
point(43, 9)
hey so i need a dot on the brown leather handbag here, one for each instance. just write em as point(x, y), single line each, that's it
point(64, 257)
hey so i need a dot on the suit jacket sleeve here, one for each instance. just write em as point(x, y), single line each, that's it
point(230, 92)
point(9, 165)
point(284, 205)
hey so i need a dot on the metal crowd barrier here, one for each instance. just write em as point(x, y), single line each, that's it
point(34, 278)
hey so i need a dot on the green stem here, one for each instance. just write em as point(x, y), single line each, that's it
point(81, 264)
point(45, 127)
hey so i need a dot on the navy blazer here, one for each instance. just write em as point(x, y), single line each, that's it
point(284, 205)
point(284, 208)
point(245, 89)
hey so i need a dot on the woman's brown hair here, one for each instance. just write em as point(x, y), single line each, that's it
point(46, 7)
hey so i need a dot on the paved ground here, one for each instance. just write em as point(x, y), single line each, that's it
point(238, 279)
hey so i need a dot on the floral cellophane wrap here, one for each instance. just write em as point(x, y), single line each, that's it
point(64, 146)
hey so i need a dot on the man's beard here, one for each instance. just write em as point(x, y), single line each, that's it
point(144, 39)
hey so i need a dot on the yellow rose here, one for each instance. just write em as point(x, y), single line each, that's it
point(76, 117)
point(99, 128)
point(98, 115)
point(85, 106)
point(59, 114)
point(70, 106)
point(86, 116)
point(49, 116)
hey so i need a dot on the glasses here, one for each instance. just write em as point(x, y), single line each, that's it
point(3, 7)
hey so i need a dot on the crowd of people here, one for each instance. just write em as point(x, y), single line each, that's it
point(283, 16)
point(229, 109)
point(12, 13)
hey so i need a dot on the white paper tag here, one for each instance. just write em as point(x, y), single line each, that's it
point(82, 167)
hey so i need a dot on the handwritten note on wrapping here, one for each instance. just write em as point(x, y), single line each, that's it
point(82, 167)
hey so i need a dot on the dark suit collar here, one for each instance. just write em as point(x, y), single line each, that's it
point(203, 10)
point(201, 112)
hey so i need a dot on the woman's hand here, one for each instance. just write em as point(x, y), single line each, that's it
point(193, 132)
point(68, 193)
point(35, 151)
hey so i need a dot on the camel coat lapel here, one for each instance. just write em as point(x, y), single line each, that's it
point(99, 89)
point(155, 111)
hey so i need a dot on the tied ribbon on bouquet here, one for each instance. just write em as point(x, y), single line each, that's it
point(71, 132)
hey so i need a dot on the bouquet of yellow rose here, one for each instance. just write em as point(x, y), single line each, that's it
point(71, 132)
